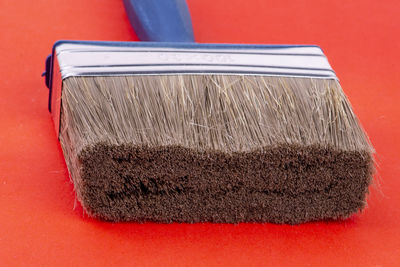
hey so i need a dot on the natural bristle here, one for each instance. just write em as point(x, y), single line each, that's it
point(219, 148)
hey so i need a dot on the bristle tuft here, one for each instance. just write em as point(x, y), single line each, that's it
point(305, 124)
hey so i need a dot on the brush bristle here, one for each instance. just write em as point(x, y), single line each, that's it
point(219, 148)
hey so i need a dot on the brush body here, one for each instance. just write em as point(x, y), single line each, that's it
point(184, 145)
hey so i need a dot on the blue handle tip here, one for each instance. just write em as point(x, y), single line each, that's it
point(160, 21)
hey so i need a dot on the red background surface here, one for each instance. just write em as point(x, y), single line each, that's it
point(38, 222)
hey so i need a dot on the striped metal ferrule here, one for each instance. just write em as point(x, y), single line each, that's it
point(141, 58)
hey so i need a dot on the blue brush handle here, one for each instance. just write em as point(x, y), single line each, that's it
point(160, 20)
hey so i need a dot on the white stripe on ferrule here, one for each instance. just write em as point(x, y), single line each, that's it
point(97, 60)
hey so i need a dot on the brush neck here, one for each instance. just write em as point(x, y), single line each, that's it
point(160, 21)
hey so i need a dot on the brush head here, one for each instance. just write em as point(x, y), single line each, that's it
point(217, 147)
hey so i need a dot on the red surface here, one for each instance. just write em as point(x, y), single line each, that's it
point(38, 222)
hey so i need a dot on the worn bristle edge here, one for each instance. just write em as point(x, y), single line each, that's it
point(214, 148)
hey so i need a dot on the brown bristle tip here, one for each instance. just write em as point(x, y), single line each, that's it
point(213, 148)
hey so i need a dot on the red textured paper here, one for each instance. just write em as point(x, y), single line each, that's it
point(38, 222)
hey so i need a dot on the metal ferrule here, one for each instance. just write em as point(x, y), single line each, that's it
point(78, 59)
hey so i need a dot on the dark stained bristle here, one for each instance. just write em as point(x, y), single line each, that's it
point(214, 148)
